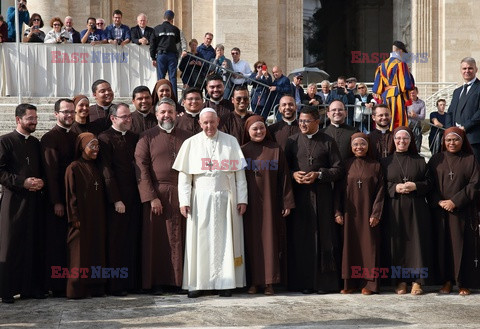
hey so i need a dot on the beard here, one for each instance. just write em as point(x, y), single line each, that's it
point(167, 125)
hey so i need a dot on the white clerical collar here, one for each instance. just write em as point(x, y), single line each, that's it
point(67, 129)
point(192, 114)
point(24, 135)
point(310, 136)
point(383, 130)
point(104, 107)
point(335, 124)
point(289, 122)
point(216, 102)
point(144, 114)
point(123, 132)
point(167, 130)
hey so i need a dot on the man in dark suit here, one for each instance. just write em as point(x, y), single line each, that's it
point(141, 33)
point(297, 90)
point(464, 110)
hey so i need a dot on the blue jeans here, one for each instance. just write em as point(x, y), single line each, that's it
point(168, 61)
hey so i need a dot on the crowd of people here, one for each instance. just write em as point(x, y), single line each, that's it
point(200, 195)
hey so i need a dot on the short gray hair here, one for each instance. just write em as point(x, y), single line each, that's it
point(326, 82)
point(469, 60)
point(165, 100)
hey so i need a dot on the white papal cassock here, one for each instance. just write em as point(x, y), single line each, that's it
point(214, 252)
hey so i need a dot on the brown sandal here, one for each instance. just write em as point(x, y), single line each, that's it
point(252, 290)
point(366, 291)
point(417, 289)
point(446, 289)
point(269, 290)
point(401, 288)
point(464, 291)
point(347, 291)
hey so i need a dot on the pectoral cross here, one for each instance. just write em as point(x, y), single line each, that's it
point(405, 179)
point(28, 160)
point(476, 262)
point(256, 171)
point(385, 153)
point(451, 175)
point(96, 185)
point(174, 155)
point(310, 160)
point(359, 182)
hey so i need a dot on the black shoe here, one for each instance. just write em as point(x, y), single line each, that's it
point(194, 294)
point(156, 291)
point(119, 293)
point(8, 300)
point(225, 293)
point(307, 291)
point(59, 294)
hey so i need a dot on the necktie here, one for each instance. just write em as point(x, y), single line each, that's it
point(464, 91)
point(460, 105)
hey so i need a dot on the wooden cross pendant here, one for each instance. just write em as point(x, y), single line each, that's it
point(359, 182)
point(96, 185)
point(451, 173)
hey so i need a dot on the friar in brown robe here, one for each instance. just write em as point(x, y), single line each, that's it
point(124, 211)
point(359, 204)
point(215, 100)
point(99, 113)
point(58, 150)
point(86, 212)
point(143, 118)
point(21, 213)
point(163, 227)
point(188, 121)
point(407, 224)
point(233, 123)
point(288, 126)
point(456, 227)
point(270, 198)
point(313, 250)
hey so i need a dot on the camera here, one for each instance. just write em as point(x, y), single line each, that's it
point(93, 27)
point(340, 91)
point(119, 41)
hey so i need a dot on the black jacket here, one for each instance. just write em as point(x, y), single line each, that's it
point(164, 39)
point(136, 33)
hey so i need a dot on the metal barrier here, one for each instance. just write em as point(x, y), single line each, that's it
point(195, 71)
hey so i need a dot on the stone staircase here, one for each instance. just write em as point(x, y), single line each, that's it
point(46, 118)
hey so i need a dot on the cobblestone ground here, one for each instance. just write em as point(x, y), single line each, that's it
point(292, 310)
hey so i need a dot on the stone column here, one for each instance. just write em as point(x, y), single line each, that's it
point(422, 47)
point(294, 35)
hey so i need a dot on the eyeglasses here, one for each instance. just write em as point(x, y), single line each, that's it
point(124, 117)
point(36, 20)
point(93, 147)
point(453, 140)
point(67, 112)
point(402, 138)
point(235, 53)
point(56, 24)
point(305, 121)
point(361, 88)
point(239, 99)
point(259, 66)
point(99, 23)
point(193, 99)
